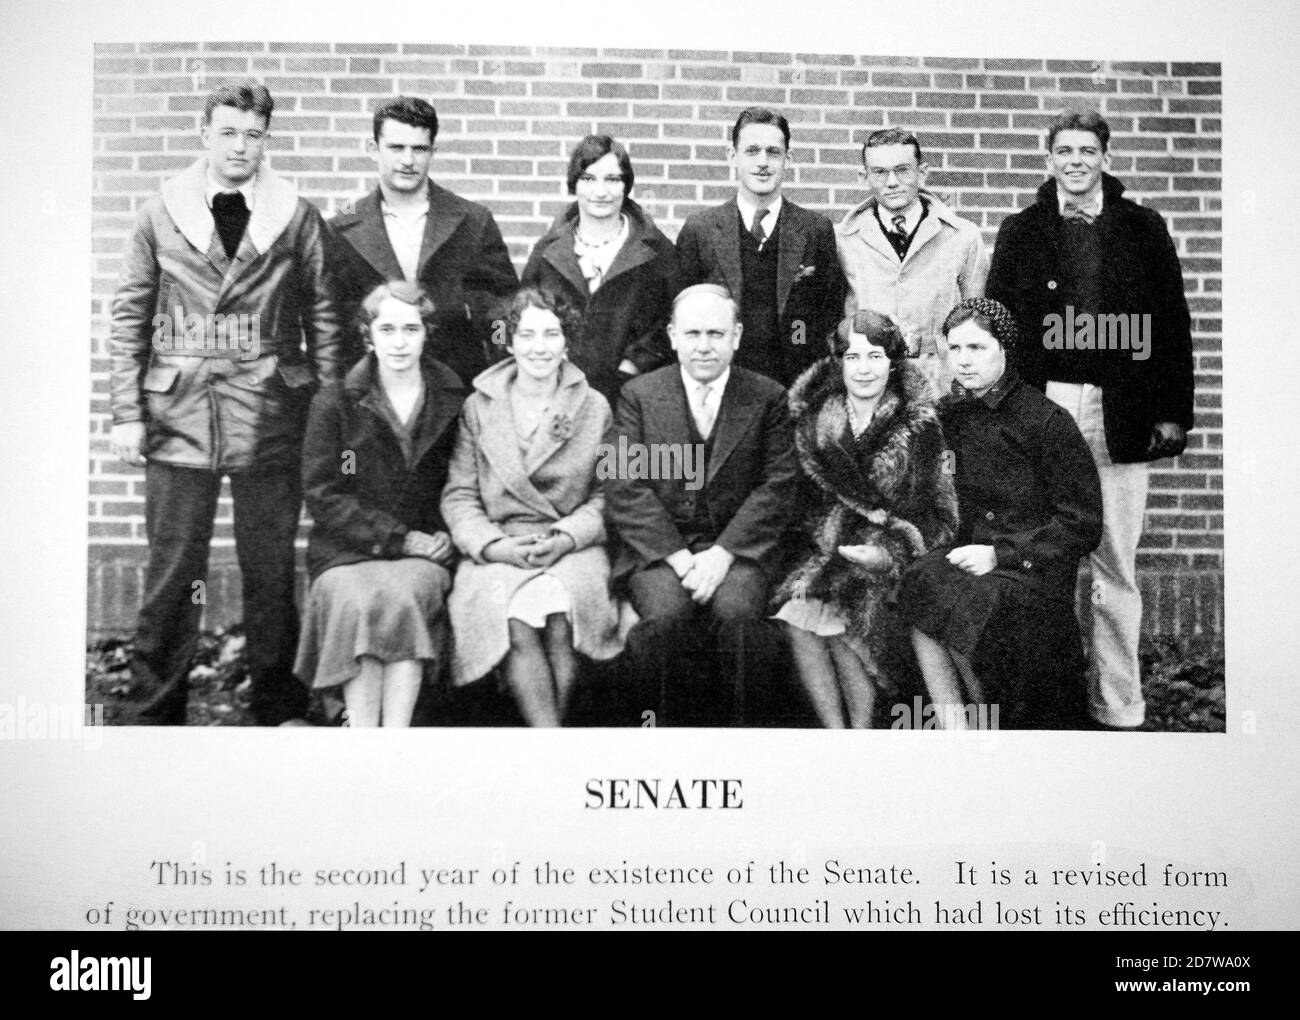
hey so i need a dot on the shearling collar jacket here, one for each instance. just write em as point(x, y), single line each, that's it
point(217, 355)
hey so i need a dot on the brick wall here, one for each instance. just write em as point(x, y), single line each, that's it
point(510, 115)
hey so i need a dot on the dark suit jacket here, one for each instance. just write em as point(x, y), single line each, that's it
point(463, 263)
point(810, 286)
point(1142, 276)
point(750, 480)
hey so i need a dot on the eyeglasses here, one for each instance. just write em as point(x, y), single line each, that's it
point(610, 180)
point(880, 174)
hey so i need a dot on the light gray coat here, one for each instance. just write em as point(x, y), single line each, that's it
point(496, 489)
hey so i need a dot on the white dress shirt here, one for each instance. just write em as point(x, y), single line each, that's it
point(748, 210)
point(405, 229)
point(705, 399)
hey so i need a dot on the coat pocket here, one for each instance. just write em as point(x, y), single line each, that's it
point(295, 375)
point(161, 378)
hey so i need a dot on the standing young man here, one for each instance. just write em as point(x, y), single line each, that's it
point(222, 324)
point(908, 255)
point(778, 259)
point(410, 228)
point(1096, 287)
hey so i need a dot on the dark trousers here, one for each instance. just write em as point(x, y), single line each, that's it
point(693, 661)
point(180, 508)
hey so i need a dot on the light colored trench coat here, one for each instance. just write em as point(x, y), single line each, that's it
point(496, 489)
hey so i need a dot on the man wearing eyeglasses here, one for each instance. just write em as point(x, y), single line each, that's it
point(907, 254)
point(1082, 264)
point(223, 324)
point(410, 228)
point(776, 257)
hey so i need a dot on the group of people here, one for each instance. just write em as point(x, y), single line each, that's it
point(776, 447)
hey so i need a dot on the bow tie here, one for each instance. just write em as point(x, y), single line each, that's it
point(1086, 212)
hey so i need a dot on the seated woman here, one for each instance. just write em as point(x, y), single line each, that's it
point(375, 459)
point(524, 505)
point(993, 614)
point(605, 254)
point(879, 495)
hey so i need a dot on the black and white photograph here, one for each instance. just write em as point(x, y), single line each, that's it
point(690, 383)
point(769, 456)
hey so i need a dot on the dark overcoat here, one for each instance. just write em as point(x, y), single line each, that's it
point(627, 316)
point(1142, 276)
point(463, 263)
point(360, 492)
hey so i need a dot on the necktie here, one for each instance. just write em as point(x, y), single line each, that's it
point(759, 234)
point(898, 236)
point(705, 415)
point(1085, 213)
point(230, 213)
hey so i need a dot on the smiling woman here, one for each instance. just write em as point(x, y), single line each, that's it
point(605, 254)
point(525, 505)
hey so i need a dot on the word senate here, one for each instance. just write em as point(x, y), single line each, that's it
point(661, 793)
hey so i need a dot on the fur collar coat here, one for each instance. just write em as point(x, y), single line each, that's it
point(891, 488)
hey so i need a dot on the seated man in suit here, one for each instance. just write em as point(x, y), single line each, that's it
point(777, 258)
point(409, 228)
point(698, 547)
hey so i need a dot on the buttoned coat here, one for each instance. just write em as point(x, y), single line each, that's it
point(627, 316)
point(496, 489)
point(945, 263)
point(463, 263)
point(1142, 276)
point(810, 287)
point(750, 481)
point(218, 355)
point(361, 493)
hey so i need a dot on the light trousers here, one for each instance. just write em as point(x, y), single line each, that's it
point(1114, 673)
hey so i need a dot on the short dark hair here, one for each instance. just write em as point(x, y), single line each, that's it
point(407, 110)
point(411, 293)
point(548, 300)
point(759, 115)
point(1080, 120)
point(595, 147)
point(879, 329)
point(991, 316)
point(892, 136)
point(242, 95)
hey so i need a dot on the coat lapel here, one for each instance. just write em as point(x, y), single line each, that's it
point(184, 197)
point(500, 442)
point(275, 201)
point(725, 238)
point(791, 231)
point(364, 230)
point(441, 408)
point(573, 390)
point(736, 414)
point(560, 255)
point(445, 216)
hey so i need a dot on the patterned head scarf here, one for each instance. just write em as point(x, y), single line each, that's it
point(988, 313)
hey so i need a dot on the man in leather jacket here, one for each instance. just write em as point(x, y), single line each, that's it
point(222, 324)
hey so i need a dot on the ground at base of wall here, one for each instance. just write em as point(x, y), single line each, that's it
point(1184, 688)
